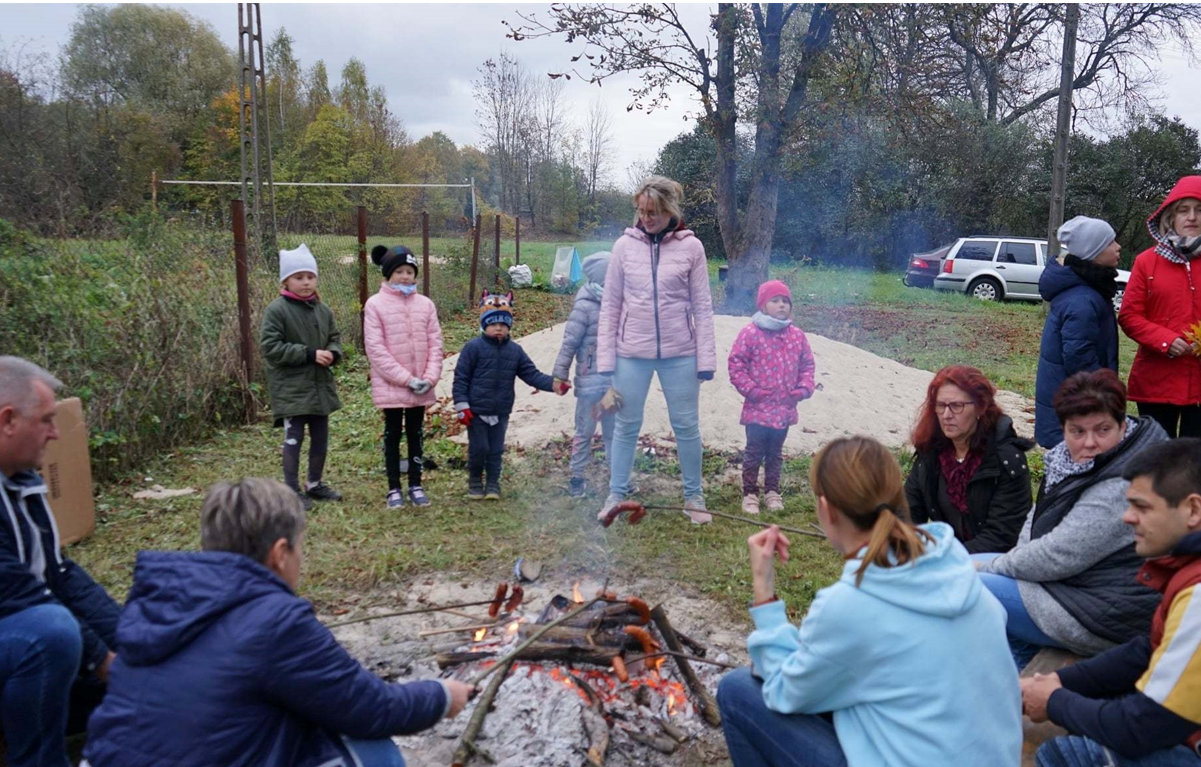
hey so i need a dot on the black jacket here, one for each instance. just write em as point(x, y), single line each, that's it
point(998, 494)
point(485, 371)
point(24, 513)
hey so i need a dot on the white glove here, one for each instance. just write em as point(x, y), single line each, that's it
point(415, 384)
point(425, 386)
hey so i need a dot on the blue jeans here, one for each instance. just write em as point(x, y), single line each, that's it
point(681, 390)
point(1077, 751)
point(40, 651)
point(1025, 637)
point(374, 753)
point(756, 735)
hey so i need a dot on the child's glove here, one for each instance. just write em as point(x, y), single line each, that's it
point(465, 415)
point(419, 385)
point(560, 387)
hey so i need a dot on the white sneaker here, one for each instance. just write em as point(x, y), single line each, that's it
point(774, 501)
point(695, 510)
point(750, 504)
point(610, 502)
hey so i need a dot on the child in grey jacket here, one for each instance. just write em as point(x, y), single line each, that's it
point(579, 342)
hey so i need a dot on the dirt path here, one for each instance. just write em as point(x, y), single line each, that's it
point(862, 393)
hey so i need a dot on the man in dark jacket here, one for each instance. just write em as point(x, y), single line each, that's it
point(57, 625)
point(1138, 703)
point(222, 664)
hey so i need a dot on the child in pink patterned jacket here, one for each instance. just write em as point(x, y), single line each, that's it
point(772, 366)
point(404, 345)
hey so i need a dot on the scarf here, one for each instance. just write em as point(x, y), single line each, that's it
point(406, 290)
point(1102, 279)
point(770, 324)
point(1058, 464)
point(958, 474)
point(289, 294)
point(1172, 246)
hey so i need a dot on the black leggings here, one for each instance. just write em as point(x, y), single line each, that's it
point(406, 420)
point(294, 440)
point(1176, 420)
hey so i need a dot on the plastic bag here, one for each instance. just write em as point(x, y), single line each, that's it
point(567, 272)
point(520, 276)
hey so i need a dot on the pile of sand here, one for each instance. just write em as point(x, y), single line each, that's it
point(861, 393)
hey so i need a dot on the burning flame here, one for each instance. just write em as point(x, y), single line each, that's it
point(575, 593)
point(479, 634)
point(671, 704)
point(512, 627)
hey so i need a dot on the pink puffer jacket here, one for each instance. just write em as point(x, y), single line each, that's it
point(403, 341)
point(656, 314)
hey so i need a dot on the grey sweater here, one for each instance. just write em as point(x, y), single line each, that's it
point(1090, 532)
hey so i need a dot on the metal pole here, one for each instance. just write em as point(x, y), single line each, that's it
point(242, 277)
point(475, 259)
point(1059, 163)
point(361, 221)
point(425, 254)
point(517, 239)
point(262, 76)
point(496, 250)
point(473, 213)
point(154, 190)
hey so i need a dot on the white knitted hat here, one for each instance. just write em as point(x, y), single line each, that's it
point(293, 261)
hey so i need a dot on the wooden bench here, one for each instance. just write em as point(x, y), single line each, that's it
point(1034, 735)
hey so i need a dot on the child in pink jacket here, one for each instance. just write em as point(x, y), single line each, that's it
point(772, 366)
point(404, 345)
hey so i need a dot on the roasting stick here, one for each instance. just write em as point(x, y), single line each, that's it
point(509, 606)
point(685, 656)
point(480, 677)
point(633, 506)
point(467, 747)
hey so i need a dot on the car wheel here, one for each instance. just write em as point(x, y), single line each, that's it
point(1117, 299)
point(985, 289)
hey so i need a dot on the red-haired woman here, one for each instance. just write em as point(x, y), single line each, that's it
point(1071, 579)
point(970, 467)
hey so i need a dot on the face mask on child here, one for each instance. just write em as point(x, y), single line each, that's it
point(407, 290)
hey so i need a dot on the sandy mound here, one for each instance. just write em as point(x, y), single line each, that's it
point(861, 393)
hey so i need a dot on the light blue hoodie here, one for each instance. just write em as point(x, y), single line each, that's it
point(913, 662)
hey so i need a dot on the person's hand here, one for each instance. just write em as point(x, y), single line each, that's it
point(560, 387)
point(1179, 348)
point(101, 671)
point(704, 375)
point(1036, 691)
point(763, 547)
point(801, 393)
point(324, 357)
point(425, 386)
point(415, 385)
point(460, 693)
point(465, 416)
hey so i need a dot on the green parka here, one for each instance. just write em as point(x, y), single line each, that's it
point(292, 333)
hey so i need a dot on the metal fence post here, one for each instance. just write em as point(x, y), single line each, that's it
point(425, 254)
point(361, 222)
point(517, 239)
point(242, 276)
point(496, 251)
point(475, 259)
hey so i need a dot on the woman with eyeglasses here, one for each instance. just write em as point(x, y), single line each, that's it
point(1071, 581)
point(970, 465)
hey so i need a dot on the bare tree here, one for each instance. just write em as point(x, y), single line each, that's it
point(766, 54)
point(503, 96)
point(599, 132)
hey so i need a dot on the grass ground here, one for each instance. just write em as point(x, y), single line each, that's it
point(356, 545)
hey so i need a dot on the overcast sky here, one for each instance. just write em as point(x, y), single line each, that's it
point(425, 56)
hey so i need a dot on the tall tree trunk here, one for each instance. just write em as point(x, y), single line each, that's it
point(1059, 163)
point(722, 126)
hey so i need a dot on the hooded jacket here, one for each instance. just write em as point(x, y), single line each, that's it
point(579, 335)
point(403, 341)
point(1080, 334)
point(913, 662)
point(998, 494)
point(1160, 303)
point(221, 664)
point(657, 303)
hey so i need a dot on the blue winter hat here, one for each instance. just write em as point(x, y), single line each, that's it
point(495, 316)
point(1086, 237)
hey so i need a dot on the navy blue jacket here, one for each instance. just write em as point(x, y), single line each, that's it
point(221, 664)
point(1099, 699)
point(485, 371)
point(1081, 333)
point(24, 513)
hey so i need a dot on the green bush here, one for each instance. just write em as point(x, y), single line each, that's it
point(143, 330)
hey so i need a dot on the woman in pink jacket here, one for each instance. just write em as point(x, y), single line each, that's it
point(656, 317)
point(404, 345)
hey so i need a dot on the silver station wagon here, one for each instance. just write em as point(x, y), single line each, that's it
point(996, 268)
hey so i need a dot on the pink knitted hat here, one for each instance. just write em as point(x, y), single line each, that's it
point(769, 290)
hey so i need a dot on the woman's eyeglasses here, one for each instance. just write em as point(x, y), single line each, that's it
point(954, 407)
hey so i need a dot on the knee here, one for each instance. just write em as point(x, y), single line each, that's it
point(737, 690)
point(1065, 751)
point(50, 633)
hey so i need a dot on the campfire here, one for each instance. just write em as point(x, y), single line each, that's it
point(577, 681)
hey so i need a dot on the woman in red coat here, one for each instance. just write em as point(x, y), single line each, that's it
point(1160, 304)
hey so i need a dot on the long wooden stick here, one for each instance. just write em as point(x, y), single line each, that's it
point(705, 701)
point(595, 725)
point(747, 520)
point(685, 656)
point(480, 677)
point(415, 611)
point(467, 747)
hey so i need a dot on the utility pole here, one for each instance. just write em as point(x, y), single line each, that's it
point(258, 184)
point(1059, 162)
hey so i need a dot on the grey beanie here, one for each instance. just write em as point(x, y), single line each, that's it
point(595, 266)
point(298, 260)
point(1086, 237)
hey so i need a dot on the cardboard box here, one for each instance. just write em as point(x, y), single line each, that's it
point(68, 473)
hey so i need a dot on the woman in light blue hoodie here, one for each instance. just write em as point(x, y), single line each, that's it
point(902, 662)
